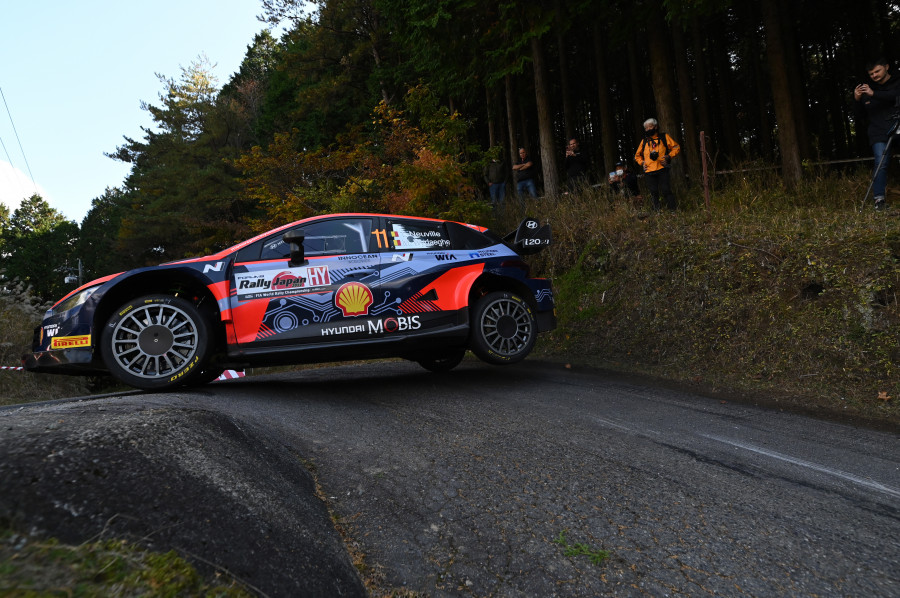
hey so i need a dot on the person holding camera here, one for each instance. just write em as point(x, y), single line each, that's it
point(654, 155)
point(576, 163)
point(623, 181)
point(877, 101)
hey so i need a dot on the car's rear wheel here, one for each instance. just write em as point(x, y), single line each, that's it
point(156, 342)
point(443, 361)
point(503, 328)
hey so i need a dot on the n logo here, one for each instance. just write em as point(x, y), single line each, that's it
point(213, 268)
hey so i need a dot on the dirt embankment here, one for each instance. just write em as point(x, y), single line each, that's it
point(223, 496)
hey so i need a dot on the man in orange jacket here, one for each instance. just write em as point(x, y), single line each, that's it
point(654, 154)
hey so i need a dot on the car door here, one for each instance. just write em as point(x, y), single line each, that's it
point(327, 297)
point(426, 275)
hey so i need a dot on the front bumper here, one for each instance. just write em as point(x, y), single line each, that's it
point(74, 361)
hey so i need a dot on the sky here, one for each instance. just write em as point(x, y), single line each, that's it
point(73, 75)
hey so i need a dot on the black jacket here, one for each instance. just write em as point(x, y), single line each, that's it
point(879, 108)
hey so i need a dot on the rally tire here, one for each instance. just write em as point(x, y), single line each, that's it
point(209, 374)
point(503, 328)
point(157, 342)
point(443, 361)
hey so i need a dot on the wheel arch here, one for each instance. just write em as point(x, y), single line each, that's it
point(488, 283)
point(178, 282)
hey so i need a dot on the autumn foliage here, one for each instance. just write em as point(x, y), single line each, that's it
point(410, 160)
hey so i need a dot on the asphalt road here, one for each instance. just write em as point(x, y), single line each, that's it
point(505, 481)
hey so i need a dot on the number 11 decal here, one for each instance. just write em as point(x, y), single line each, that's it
point(381, 237)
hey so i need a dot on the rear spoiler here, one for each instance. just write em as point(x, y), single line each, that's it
point(530, 237)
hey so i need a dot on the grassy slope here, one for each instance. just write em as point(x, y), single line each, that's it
point(788, 298)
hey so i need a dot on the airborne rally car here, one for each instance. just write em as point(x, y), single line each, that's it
point(328, 288)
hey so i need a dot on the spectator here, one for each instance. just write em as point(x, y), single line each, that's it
point(495, 177)
point(623, 181)
point(524, 171)
point(576, 165)
point(654, 155)
point(876, 101)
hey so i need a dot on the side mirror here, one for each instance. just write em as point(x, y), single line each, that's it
point(295, 238)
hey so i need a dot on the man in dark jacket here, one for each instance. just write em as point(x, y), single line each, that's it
point(524, 173)
point(878, 102)
point(576, 165)
point(495, 177)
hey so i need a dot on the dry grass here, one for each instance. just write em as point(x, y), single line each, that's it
point(792, 297)
point(20, 312)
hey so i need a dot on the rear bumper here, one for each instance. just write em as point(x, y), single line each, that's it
point(546, 320)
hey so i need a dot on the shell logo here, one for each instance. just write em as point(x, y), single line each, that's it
point(354, 299)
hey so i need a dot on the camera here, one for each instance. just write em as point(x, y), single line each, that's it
point(654, 155)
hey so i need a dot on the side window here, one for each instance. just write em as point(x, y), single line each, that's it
point(409, 235)
point(327, 237)
point(464, 237)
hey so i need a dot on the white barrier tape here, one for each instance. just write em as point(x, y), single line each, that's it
point(8, 367)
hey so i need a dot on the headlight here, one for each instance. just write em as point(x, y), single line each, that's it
point(73, 300)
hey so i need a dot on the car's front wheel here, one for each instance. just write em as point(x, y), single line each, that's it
point(503, 328)
point(156, 342)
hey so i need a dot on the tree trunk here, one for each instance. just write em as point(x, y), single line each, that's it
point(562, 46)
point(661, 76)
point(754, 50)
point(545, 119)
point(729, 139)
point(376, 57)
point(638, 110)
point(835, 106)
point(511, 120)
point(686, 97)
point(700, 76)
point(491, 116)
point(784, 106)
point(797, 88)
point(604, 107)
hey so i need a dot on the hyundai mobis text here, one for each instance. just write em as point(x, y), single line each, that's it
point(328, 288)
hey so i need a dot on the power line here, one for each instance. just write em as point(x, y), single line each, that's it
point(13, 169)
point(21, 149)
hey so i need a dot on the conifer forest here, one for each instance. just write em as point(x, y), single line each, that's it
point(396, 106)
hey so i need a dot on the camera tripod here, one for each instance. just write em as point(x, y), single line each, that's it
point(894, 132)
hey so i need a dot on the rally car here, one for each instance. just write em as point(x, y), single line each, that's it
point(327, 288)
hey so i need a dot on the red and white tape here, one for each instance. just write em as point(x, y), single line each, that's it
point(226, 375)
point(230, 375)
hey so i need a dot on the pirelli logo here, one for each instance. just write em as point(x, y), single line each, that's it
point(67, 342)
